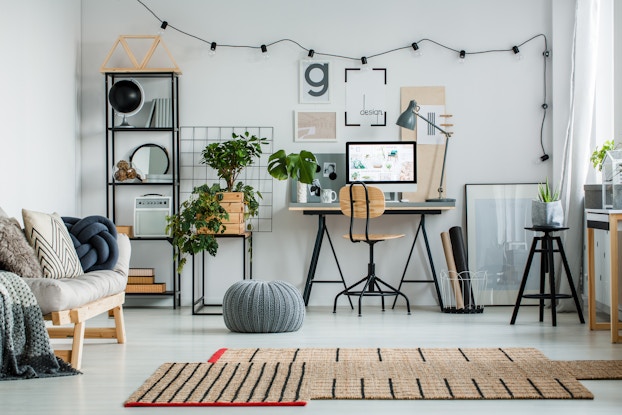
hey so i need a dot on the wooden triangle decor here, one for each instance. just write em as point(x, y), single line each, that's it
point(127, 48)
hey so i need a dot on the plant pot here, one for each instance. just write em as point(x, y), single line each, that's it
point(547, 213)
point(301, 192)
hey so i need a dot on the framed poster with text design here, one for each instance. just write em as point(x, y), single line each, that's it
point(366, 97)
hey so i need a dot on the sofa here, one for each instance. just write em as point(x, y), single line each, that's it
point(68, 302)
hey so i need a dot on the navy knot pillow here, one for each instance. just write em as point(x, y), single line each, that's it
point(95, 240)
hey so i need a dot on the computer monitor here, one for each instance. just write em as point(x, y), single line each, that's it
point(389, 165)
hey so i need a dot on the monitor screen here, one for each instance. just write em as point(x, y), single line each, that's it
point(389, 165)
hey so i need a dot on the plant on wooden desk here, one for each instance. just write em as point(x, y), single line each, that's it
point(298, 166)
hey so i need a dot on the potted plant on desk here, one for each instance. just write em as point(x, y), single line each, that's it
point(298, 166)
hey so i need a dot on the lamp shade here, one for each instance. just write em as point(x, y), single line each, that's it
point(408, 119)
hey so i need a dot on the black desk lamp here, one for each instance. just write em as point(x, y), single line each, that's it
point(408, 119)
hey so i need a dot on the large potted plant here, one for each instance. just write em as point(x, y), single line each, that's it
point(547, 210)
point(200, 217)
point(229, 158)
point(214, 209)
point(297, 166)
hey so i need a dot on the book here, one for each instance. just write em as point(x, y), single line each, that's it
point(159, 287)
point(150, 114)
point(141, 272)
point(140, 280)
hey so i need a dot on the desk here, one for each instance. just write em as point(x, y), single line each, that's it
point(607, 220)
point(321, 210)
point(198, 285)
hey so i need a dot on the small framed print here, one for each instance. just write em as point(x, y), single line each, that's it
point(315, 126)
point(314, 82)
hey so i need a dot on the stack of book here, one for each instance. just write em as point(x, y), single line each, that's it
point(142, 280)
point(159, 114)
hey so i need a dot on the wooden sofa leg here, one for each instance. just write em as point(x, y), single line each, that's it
point(119, 323)
point(77, 345)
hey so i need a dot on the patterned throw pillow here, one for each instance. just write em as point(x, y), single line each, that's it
point(49, 237)
point(16, 255)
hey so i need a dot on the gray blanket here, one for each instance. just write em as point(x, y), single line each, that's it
point(26, 351)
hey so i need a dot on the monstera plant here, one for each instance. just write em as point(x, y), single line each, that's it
point(297, 166)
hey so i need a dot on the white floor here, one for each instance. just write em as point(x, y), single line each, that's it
point(111, 372)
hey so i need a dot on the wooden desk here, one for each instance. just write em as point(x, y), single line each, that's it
point(607, 220)
point(392, 208)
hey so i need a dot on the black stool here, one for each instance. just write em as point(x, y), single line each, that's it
point(546, 264)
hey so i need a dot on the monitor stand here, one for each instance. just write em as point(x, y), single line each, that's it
point(390, 197)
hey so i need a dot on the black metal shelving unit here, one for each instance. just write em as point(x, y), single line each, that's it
point(167, 85)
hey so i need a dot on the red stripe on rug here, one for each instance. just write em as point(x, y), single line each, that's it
point(217, 355)
point(144, 404)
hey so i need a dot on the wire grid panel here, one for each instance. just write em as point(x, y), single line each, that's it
point(193, 173)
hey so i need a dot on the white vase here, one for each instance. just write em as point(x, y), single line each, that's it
point(547, 213)
point(301, 192)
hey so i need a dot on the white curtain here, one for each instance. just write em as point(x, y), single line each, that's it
point(579, 140)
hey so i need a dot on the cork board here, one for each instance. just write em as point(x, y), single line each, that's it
point(429, 156)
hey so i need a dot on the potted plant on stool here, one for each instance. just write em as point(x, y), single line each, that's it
point(547, 209)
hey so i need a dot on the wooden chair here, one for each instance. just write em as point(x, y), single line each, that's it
point(359, 201)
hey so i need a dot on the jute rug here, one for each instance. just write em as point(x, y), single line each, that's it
point(255, 377)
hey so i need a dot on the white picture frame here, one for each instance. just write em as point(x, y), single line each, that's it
point(314, 82)
point(366, 97)
point(498, 243)
point(315, 125)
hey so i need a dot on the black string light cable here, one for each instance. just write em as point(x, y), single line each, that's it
point(364, 59)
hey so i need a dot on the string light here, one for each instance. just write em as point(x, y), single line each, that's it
point(212, 49)
point(162, 27)
point(415, 47)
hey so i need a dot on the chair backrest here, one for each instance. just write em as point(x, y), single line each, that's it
point(355, 198)
point(360, 201)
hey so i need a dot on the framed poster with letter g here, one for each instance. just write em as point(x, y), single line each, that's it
point(314, 82)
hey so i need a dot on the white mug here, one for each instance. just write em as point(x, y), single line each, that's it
point(328, 195)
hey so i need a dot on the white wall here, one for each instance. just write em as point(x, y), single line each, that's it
point(496, 100)
point(40, 112)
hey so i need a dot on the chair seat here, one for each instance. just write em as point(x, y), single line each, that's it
point(360, 237)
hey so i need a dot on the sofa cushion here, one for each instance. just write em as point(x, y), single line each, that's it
point(49, 237)
point(67, 293)
point(16, 255)
point(95, 241)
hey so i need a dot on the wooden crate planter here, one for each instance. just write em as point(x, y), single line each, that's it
point(233, 203)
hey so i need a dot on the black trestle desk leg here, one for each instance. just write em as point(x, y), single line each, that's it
point(321, 227)
point(321, 230)
point(434, 279)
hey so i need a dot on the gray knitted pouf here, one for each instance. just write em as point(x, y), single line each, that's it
point(254, 306)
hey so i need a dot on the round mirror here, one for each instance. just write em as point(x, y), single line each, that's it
point(126, 97)
point(150, 159)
